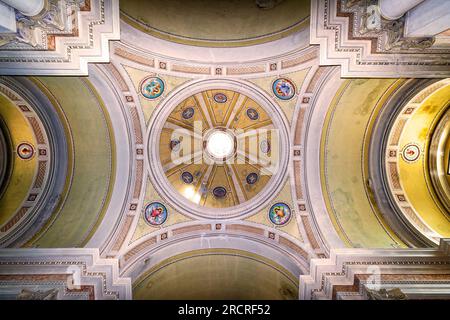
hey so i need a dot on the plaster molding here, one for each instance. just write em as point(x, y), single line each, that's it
point(79, 270)
point(150, 255)
point(337, 27)
point(70, 50)
point(409, 268)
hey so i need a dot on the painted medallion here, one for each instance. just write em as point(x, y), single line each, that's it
point(188, 113)
point(252, 114)
point(252, 178)
point(220, 98)
point(411, 153)
point(280, 213)
point(155, 213)
point(187, 177)
point(152, 88)
point(219, 192)
point(283, 88)
point(25, 151)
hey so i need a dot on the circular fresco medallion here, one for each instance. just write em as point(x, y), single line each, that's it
point(283, 88)
point(219, 192)
point(280, 213)
point(175, 145)
point(220, 98)
point(264, 146)
point(187, 177)
point(411, 152)
point(152, 88)
point(188, 113)
point(25, 151)
point(252, 114)
point(155, 213)
point(252, 178)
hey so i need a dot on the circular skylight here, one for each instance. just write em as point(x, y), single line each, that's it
point(220, 144)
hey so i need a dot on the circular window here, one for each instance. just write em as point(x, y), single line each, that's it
point(220, 144)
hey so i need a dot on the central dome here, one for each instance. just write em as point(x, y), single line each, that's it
point(217, 148)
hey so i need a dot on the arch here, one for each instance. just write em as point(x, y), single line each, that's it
point(217, 274)
point(48, 123)
point(154, 251)
point(385, 177)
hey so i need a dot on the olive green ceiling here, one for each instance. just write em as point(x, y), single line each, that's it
point(91, 168)
point(203, 22)
point(344, 163)
point(216, 274)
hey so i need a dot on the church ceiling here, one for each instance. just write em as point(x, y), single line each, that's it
point(414, 163)
point(91, 167)
point(257, 279)
point(439, 153)
point(411, 168)
point(217, 168)
point(345, 141)
point(218, 24)
point(62, 161)
point(356, 36)
point(18, 133)
point(216, 138)
point(62, 40)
